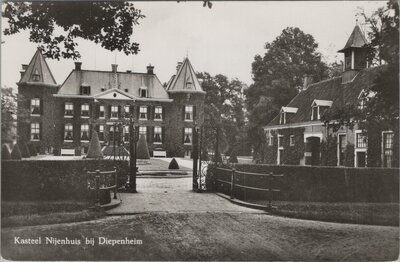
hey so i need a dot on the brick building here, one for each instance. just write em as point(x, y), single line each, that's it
point(298, 136)
point(63, 116)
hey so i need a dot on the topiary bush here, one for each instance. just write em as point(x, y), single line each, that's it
point(32, 149)
point(24, 150)
point(94, 150)
point(142, 149)
point(16, 153)
point(233, 157)
point(5, 152)
point(173, 164)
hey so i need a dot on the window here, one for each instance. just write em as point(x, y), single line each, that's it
point(282, 119)
point(157, 135)
point(84, 132)
point(188, 113)
point(189, 85)
point(291, 140)
point(143, 91)
point(35, 106)
point(69, 110)
point(387, 144)
point(114, 135)
point(68, 132)
point(85, 90)
point(85, 110)
point(101, 132)
point(315, 113)
point(188, 136)
point(143, 112)
point(114, 111)
point(35, 131)
point(126, 111)
point(361, 140)
point(36, 76)
point(280, 140)
point(158, 113)
point(101, 112)
point(341, 148)
point(269, 138)
point(126, 133)
point(143, 131)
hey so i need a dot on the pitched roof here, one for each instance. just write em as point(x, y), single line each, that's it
point(329, 90)
point(185, 80)
point(38, 66)
point(100, 81)
point(356, 39)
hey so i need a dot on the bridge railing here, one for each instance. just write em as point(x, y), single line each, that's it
point(238, 184)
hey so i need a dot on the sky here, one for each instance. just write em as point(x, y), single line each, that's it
point(220, 40)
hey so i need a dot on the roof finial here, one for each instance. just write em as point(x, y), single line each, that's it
point(187, 53)
point(356, 21)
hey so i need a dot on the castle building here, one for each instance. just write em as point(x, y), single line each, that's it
point(299, 136)
point(63, 116)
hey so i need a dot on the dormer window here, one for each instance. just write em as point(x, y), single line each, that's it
point(285, 110)
point(36, 76)
point(85, 90)
point(189, 85)
point(143, 91)
point(318, 108)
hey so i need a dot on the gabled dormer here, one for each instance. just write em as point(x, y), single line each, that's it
point(318, 107)
point(285, 112)
point(355, 55)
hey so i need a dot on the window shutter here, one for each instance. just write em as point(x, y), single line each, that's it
point(97, 128)
point(163, 112)
point(119, 111)
point(109, 111)
point(40, 131)
point(131, 110)
point(149, 113)
point(62, 131)
point(194, 112)
point(41, 106)
point(162, 134)
point(183, 135)
point(183, 112)
point(137, 112)
point(97, 112)
point(77, 109)
point(77, 132)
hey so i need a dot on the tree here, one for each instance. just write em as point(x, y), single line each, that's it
point(173, 164)
point(94, 150)
point(24, 149)
point(32, 149)
point(223, 109)
point(142, 149)
point(16, 153)
point(109, 24)
point(278, 77)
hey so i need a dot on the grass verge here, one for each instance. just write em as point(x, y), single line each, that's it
point(386, 214)
point(29, 213)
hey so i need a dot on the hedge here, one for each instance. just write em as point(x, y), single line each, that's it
point(51, 179)
point(325, 184)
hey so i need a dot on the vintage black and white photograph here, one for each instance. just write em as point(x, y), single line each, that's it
point(200, 131)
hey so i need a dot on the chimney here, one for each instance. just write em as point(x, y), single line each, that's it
point(24, 67)
point(114, 68)
point(22, 73)
point(178, 66)
point(150, 69)
point(308, 80)
point(129, 71)
point(78, 66)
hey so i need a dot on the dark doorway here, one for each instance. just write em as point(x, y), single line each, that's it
point(361, 159)
point(313, 151)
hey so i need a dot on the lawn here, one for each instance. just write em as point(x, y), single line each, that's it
point(358, 213)
point(27, 213)
point(155, 164)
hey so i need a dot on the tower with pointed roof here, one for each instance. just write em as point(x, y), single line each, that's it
point(188, 96)
point(35, 108)
point(355, 54)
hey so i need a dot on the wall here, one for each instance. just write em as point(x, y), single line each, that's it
point(51, 179)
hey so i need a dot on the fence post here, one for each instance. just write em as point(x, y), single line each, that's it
point(97, 187)
point(116, 182)
point(232, 183)
point(269, 190)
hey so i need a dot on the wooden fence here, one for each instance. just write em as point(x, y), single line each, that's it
point(239, 184)
point(103, 181)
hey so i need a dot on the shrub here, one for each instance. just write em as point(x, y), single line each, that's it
point(16, 153)
point(173, 164)
point(233, 157)
point(24, 150)
point(94, 150)
point(32, 149)
point(5, 152)
point(142, 149)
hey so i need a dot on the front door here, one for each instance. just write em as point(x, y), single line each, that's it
point(361, 159)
